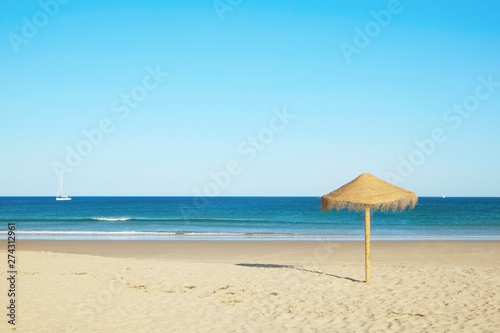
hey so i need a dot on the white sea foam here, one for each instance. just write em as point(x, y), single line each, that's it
point(78, 232)
point(166, 235)
point(111, 219)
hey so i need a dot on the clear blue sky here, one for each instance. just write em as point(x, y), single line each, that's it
point(225, 78)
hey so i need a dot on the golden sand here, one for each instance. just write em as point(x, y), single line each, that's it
point(255, 287)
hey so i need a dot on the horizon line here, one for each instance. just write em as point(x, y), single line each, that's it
point(218, 196)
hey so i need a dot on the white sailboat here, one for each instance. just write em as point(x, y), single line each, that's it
point(60, 191)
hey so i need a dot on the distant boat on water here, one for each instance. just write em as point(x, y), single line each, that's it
point(444, 197)
point(60, 192)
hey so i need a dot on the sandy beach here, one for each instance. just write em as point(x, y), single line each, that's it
point(133, 286)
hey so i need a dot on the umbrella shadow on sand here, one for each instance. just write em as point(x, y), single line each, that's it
point(297, 268)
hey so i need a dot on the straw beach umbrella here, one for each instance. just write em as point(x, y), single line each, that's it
point(368, 192)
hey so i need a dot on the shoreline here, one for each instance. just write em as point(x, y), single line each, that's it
point(237, 237)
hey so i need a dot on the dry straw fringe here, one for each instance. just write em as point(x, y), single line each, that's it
point(401, 204)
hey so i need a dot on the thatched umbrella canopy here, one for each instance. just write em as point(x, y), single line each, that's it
point(369, 192)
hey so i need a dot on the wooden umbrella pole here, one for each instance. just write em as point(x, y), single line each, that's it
point(367, 245)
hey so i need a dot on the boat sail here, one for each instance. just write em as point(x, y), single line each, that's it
point(60, 191)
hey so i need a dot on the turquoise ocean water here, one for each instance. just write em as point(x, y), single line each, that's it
point(242, 218)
